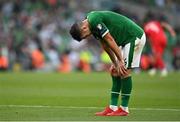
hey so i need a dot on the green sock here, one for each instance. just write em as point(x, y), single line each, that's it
point(126, 91)
point(115, 91)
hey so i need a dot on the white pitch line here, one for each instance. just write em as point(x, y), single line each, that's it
point(47, 106)
point(76, 107)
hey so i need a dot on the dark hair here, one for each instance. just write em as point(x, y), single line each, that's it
point(75, 31)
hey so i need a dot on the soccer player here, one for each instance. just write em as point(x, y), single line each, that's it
point(155, 32)
point(123, 40)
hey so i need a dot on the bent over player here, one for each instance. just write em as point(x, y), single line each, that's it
point(123, 40)
point(155, 32)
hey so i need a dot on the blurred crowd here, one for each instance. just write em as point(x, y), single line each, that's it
point(34, 34)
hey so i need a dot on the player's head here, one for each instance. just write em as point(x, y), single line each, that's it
point(80, 30)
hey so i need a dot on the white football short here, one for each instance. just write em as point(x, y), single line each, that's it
point(132, 51)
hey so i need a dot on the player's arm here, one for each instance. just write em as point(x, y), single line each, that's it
point(113, 69)
point(103, 33)
point(169, 28)
point(110, 42)
point(110, 53)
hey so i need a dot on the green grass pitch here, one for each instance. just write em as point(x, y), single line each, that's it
point(77, 96)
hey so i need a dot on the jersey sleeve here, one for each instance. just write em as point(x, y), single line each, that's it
point(97, 26)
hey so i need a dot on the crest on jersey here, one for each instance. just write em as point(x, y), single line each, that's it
point(99, 26)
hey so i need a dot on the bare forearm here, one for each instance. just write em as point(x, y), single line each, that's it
point(111, 55)
point(113, 46)
point(117, 52)
point(169, 28)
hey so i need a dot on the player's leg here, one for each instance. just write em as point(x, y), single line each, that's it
point(126, 82)
point(132, 54)
point(159, 63)
point(154, 48)
point(115, 91)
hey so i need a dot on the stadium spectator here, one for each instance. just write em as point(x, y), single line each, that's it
point(85, 61)
point(3, 59)
point(37, 59)
point(65, 66)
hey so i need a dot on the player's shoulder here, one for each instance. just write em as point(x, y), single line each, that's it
point(94, 16)
point(93, 13)
point(101, 12)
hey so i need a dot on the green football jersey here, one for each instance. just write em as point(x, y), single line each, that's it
point(122, 29)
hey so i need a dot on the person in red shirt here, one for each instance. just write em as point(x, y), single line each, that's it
point(155, 32)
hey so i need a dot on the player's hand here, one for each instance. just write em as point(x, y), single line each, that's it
point(113, 70)
point(122, 69)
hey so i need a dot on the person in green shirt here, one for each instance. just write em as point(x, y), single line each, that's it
point(123, 40)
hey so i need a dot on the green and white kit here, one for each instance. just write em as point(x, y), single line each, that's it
point(127, 34)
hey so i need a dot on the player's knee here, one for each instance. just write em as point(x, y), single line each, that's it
point(113, 71)
point(115, 74)
point(127, 75)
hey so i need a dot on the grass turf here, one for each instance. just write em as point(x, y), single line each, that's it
point(70, 94)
